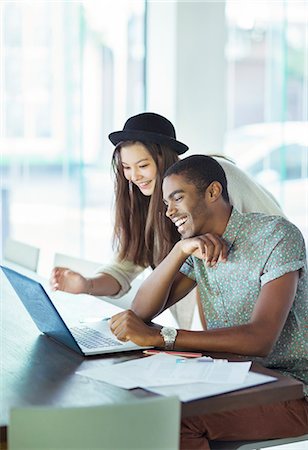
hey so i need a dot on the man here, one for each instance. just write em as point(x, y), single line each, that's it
point(254, 292)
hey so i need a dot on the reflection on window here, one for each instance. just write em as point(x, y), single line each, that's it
point(267, 98)
point(294, 157)
point(72, 72)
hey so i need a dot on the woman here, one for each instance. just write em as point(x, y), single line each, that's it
point(143, 236)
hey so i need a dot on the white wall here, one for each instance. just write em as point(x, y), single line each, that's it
point(186, 70)
point(161, 57)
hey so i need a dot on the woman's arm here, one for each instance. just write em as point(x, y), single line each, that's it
point(64, 279)
point(112, 280)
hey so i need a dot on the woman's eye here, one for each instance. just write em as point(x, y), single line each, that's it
point(142, 167)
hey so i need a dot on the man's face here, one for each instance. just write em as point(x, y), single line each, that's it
point(186, 207)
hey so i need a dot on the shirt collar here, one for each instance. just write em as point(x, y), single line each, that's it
point(233, 227)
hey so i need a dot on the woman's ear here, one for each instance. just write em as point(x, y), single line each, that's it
point(214, 191)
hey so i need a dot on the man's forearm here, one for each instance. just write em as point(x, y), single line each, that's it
point(154, 292)
point(246, 339)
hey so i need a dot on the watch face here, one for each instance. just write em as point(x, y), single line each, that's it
point(170, 333)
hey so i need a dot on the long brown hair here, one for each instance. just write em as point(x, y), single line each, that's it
point(142, 233)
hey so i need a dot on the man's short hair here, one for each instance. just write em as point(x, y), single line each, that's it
point(200, 170)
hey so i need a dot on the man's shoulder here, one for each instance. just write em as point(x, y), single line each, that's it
point(263, 218)
point(268, 224)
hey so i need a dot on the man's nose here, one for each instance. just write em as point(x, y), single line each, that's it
point(170, 210)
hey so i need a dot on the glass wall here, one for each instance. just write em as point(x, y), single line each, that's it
point(267, 56)
point(71, 73)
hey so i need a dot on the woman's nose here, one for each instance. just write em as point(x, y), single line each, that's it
point(135, 174)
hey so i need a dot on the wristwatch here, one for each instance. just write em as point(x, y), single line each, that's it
point(169, 335)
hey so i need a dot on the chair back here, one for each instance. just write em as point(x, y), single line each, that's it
point(152, 423)
point(20, 253)
point(83, 266)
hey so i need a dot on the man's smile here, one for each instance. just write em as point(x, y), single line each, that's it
point(179, 222)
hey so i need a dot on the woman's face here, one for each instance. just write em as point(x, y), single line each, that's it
point(139, 167)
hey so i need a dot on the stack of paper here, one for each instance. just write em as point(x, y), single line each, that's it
point(169, 375)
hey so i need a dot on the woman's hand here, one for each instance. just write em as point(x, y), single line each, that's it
point(64, 279)
point(210, 247)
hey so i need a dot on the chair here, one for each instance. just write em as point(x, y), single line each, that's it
point(255, 445)
point(152, 423)
point(85, 267)
point(24, 255)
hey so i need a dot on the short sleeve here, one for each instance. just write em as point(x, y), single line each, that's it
point(288, 253)
point(188, 268)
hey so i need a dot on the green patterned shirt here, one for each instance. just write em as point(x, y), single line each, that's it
point(261, 248)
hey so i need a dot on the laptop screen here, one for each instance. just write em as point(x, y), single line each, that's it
point(40, 307)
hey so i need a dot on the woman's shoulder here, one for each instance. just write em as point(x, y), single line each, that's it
point(246, 194)
point(230, 167)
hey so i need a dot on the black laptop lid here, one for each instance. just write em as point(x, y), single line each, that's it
point(40, 307)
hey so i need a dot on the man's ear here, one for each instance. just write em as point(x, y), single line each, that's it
point(213, 191)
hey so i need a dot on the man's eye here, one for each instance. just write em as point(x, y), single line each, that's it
point(179, 198)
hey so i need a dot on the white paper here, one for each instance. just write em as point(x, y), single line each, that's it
point(187, 392)
point(165, 370)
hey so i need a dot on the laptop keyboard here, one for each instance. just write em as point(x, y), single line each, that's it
point(91, 338)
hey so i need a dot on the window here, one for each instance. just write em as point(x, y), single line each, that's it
point(72, 73)
point(267, 98)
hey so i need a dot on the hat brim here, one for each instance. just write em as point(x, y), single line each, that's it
point(147, 136)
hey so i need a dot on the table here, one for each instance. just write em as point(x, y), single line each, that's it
point(35, 370)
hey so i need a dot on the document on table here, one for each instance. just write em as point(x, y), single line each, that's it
point(165, 370)
point(193, 391)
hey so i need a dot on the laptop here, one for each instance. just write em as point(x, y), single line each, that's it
point(85, 339)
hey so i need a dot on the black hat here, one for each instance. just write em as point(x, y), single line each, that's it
point(149, 127)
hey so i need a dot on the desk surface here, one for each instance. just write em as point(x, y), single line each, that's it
point(37, 371)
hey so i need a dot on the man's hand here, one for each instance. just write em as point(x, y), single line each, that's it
point(127, 326)
point(64, 279)
point(210, 247)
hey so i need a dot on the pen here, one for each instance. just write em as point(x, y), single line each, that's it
point(202, 359)
point(175, 353)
